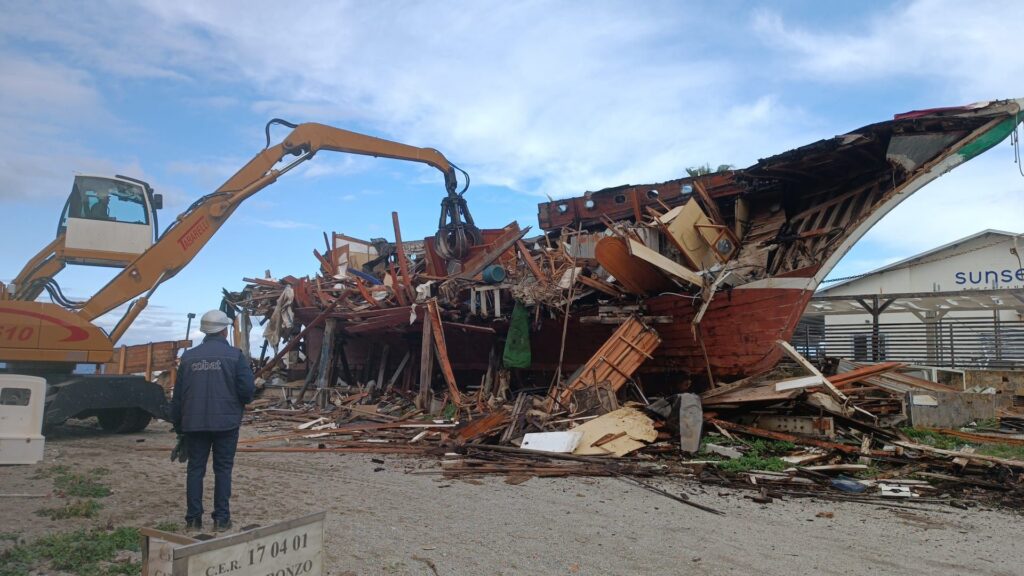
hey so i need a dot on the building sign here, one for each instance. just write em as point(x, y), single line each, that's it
point(989, 277)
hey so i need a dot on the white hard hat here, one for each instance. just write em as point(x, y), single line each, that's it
point(213, 322)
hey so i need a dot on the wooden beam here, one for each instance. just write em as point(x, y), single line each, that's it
point(398, 372)
point(426, 364)
point(403, 263)
point(441, 349)
point(799, 359)
point(323, 375)
point(528, 259)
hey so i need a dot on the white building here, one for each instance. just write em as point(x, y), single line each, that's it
point(961, 304)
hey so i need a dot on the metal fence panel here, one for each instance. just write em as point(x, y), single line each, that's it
point(953, 343)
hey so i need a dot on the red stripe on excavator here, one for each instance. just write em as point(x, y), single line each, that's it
point(75, 333)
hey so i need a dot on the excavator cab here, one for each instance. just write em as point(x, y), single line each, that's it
point(108, 221)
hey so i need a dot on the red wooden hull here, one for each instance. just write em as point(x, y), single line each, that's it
point(738, 331)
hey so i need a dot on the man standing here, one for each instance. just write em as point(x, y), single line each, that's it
point(214, 384)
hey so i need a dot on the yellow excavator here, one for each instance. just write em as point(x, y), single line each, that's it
point(113, 222)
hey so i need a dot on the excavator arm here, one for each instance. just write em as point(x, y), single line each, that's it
point(190, 232)
point(46, 264)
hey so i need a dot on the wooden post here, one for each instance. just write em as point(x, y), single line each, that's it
point(121, 361)
point(323, 377)
point(426, 364)
point(378, 383)
point(403, 264)
point(149, 362)
point(346, 371)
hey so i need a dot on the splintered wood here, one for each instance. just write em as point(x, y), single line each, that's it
point(615, 362)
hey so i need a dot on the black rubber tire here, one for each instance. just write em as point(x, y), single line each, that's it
point(142, 419)
point(124, 420)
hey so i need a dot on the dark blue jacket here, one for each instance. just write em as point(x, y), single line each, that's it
point(214, 382)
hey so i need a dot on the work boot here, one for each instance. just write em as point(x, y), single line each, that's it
point(221, 525)
point(193, 523)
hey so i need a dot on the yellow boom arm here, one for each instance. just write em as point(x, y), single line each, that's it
point(180, 243)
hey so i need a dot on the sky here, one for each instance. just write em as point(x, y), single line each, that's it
point(533, 99)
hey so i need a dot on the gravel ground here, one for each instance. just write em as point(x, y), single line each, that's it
point(405, 517)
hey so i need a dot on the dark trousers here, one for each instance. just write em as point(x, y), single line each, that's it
point(199, 445)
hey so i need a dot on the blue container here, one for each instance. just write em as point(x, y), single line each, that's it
point(493, 274)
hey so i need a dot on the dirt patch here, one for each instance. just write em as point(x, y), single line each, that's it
point(390, 518)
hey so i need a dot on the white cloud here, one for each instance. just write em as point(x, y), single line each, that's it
point(545, 98)
point(986, 192)
point(40, 98)
point(970, 50)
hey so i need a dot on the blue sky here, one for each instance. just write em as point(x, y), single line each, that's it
point(532, 98)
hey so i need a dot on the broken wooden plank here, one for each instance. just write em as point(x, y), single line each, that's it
point(799, 383)
point(664, 264)
point(799, 359)
point(405, 282)
point(481, 427)
point(441, 349)
point(524, 252)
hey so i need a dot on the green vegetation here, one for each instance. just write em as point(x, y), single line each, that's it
point(77, 509)
point(870, 472)
point(51, 471)
point(987, 424)
point(935, 439)
point(1002, 451)
point(87, 553)
point(760, 455)
point(705, 169)
point(449, 411)
point(947, 442)
point(168, 526)
point(748, 462)
point(79, 485)
point(9, 536)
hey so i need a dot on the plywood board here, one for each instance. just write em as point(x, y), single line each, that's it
point(639, 429)
point(682, 225)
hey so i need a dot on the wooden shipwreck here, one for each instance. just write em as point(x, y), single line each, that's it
point(774, 230)
point(718, 267)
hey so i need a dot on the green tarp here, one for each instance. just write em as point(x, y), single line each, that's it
point(517, 343)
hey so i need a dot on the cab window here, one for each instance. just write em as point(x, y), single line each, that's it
point(104, 199)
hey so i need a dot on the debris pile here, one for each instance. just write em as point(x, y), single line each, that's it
point(364, 362)
point(639, 335)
